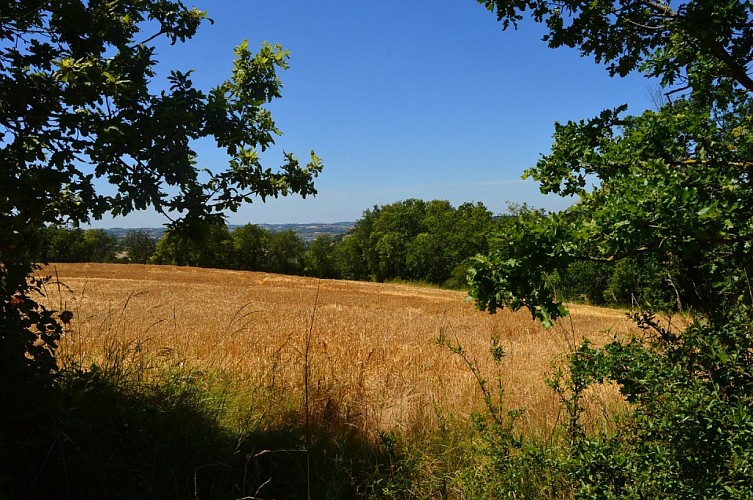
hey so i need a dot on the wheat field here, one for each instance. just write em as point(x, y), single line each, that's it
point(371, 349)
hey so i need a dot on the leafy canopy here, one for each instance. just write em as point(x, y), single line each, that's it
point(698, 43)
point(79, 103)
point(673, 182)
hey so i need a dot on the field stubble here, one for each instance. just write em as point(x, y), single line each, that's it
point(373, 354)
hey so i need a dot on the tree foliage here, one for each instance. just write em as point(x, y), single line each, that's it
point(672, 182)
point(247, 248)
point(669, 189)
point(138, 246)
point(286, 253)
point(80, 104)
point(703, 45)
point(211, 246)
point(64, 244)
point(416, 240)
point(319, 258)
point(410, 240)
point(251, 248)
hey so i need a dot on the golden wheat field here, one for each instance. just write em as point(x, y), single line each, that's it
point(371, 348)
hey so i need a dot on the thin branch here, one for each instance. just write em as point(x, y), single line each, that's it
point(144, 42)
point(159, 208)
point(662, 9)
point(677, 90)
point(644, 26)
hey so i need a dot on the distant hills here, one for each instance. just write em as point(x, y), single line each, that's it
point(308, 232)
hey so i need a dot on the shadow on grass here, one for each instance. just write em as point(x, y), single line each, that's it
point(101, 437)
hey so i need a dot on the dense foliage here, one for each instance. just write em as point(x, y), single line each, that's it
point(416, 240)
point(61, 244)
point(137, 246)
point(671, 183)
point(669, 189)
point(411, 240)
point(247, 248)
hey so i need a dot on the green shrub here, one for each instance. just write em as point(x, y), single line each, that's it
point(585, 281)
point(644, 282)
point(690, 432)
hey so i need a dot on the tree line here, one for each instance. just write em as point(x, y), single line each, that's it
point(412, 240)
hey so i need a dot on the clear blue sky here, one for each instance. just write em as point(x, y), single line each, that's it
point(402, 99)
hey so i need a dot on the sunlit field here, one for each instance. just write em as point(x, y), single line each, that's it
point(372, 351)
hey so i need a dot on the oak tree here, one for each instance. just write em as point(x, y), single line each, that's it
point(671, 187)
point(672, 182)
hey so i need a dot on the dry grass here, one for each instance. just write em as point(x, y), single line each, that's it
point(373, 352)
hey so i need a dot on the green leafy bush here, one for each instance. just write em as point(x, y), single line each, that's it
point(584, 281)
point(689, 433)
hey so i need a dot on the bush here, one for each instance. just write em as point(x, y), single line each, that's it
point(644, 282)
point(690, 432)
point(584, 281)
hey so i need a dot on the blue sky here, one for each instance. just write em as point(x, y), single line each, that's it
point(401, 99)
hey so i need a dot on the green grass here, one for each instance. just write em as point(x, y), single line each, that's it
point(125, 430)
point(115, 435)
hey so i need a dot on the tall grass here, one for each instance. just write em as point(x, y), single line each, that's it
point(292, 383)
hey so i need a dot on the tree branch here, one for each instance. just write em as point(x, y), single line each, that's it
point(144, 42)
point(735, 69)
point(663, 10)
